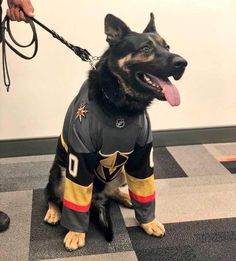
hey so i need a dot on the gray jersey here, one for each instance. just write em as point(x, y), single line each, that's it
point(94, 148)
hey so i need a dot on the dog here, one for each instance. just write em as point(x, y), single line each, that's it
point(106, 140)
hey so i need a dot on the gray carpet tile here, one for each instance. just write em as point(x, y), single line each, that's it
point(25, 169)
point(49, 157)
point(226, 149)
point(195, 160)
point(189, 199)
point(47, 241)
point(24, 176)
point(20, 184)
point(119, 256)
point(165, 165)
point(14, 243)
point(198, 240)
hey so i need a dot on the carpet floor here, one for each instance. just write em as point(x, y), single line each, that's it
point(196, 200)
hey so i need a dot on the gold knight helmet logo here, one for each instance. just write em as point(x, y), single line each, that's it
point(111, 164)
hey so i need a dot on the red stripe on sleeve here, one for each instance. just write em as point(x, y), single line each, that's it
point(75, 207)
point(142, 199)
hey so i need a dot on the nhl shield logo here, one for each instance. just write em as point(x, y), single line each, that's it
point(120, 123)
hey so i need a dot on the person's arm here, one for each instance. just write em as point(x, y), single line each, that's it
point(15, 9)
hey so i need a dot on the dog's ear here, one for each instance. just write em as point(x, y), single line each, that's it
point(151, 28)
point(115, 29)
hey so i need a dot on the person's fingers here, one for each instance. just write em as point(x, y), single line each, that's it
point(27, 7)
point(10, 3)
point(22, 16)
point(12, 14)
point(9, 13)
point(17, 14)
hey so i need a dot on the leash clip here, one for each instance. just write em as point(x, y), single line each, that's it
point(82, 53)
point(92, 60)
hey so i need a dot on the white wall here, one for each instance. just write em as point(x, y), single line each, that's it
point(203, 31)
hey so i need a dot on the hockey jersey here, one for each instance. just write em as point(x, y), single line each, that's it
point(94, 148)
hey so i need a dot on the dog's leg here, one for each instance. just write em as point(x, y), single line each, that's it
point(154, 228)
point(74, 240)
point(53, 214)
point(112, 190)
point(54, 193)
point(100, 215)
point(122, 198)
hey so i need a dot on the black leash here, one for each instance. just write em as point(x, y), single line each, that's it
point(5, 28)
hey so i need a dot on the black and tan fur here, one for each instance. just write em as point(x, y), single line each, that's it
point(118, 88)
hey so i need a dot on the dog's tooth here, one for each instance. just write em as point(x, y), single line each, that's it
point(154, 84)
point(148, 80)
point(145, 77)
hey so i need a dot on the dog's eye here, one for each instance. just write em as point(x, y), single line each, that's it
point(146, 49)
point(167, 47)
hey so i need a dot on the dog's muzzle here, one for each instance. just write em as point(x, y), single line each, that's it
point(178, 65)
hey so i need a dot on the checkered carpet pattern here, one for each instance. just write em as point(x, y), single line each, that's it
point(196, 195)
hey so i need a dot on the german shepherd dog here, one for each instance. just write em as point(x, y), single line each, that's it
point(106, 140)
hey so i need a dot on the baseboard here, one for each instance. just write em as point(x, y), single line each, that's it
point(27, 147)
point(194, 136)
point(41, 146)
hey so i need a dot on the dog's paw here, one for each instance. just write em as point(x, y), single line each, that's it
point(122, 198)
point(53, 215)
point(74, 240)
point(154, 228)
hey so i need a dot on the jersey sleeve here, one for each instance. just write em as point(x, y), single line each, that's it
point(140, 178)
point(78, 189)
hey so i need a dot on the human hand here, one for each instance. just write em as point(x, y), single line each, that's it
point(14, 11)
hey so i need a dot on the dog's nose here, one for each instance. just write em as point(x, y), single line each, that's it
point(179, 62)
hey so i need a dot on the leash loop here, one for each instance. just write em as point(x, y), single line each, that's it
point(5, 28)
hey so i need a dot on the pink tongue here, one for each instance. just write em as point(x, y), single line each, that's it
point(170, 91)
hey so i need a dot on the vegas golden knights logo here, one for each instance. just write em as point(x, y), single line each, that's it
point(110, 165)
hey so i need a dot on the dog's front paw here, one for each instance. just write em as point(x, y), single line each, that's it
point(53, 215)
point(74, 240)
point(154, 228)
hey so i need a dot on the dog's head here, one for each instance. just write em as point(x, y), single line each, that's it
point(142, 62)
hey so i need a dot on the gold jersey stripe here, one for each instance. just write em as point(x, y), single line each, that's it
point(77, 194)
point(63, 143)
point(141, 187)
